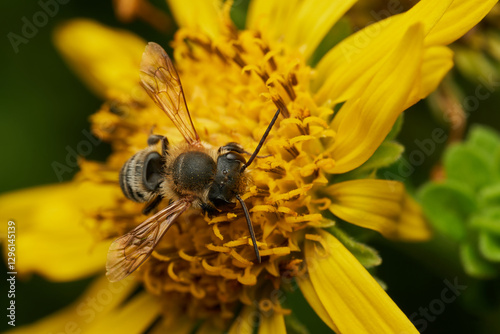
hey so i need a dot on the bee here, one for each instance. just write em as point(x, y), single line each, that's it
point(191, 174)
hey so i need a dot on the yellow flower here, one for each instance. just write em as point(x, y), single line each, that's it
point(314, 167)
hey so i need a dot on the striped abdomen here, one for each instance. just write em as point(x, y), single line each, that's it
point(141, 176)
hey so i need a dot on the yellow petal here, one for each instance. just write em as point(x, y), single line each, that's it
point(271, 324)
point(135, 316)
point(245, 322)
point(201, 15)
point(352, 297)
point(380, 205)
point(303, 24)
point(346, 69)
point(411, 225)
point(444, 21)
point(363, 124)
point(437, 62)
point(270, 17)
point(181, 326)
point(106, 59)
point(312, 298)
point(373, 204)
point(458, 19)
point(313, 21)
point(94, 306)
point(51, 239)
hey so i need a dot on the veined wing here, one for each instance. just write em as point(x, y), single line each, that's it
point(161, 81)
point(129, 251)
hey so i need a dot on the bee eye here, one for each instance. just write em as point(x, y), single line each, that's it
point(236, 156)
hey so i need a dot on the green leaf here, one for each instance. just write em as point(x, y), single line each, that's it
point(387, 153)
point(464, 164)
point(489, 196)
point(493, 40)
point(448, 206)
point(474, 65)
point(487, 220)
point(489, 246)
point(496, 163)
point(294, 326)
point(483, 140)
point(474, 264)
point(396, 128)
point(367, 256)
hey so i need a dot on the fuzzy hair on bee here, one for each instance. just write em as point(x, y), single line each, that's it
point(189, 172)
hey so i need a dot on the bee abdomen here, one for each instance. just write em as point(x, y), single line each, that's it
point(140, 176)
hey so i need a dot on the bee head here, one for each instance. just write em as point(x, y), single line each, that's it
point(227, 181)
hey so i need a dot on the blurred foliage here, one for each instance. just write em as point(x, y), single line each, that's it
point(465, 207)
point(45, 108)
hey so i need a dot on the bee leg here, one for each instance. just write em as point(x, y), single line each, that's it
point(164, 146)
point(151, 205)
point(209, 209)
point(154, 139)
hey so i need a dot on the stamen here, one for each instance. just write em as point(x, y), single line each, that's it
point(289, 89)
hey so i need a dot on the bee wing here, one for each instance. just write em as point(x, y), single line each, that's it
point(161, 81)
point(129, 251)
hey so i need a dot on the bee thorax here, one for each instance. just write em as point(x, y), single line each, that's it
point(193, 172)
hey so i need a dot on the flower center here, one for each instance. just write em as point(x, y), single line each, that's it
point(206, 264)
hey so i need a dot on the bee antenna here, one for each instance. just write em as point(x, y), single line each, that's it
point(262, 140)
point(249, 222)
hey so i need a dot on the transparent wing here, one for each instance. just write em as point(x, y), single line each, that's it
point(129, 251)
point(161, 81)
